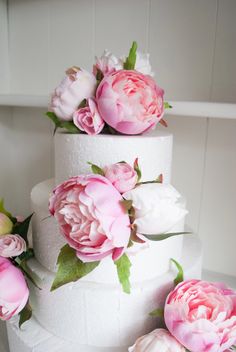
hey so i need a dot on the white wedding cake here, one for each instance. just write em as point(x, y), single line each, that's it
point(94, 314)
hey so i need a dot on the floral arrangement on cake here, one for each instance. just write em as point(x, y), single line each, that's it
point(104, 213)
point(14, 253)
point(199, 316)
point(119, 96)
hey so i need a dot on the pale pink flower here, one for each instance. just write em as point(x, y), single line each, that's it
point(91, 217)
point(14, 292)
point(130, 102)
point(88, 118)
point(73, 89)
point(12, 245)
point(122, 176)
point(159, 340)
point(202, 315)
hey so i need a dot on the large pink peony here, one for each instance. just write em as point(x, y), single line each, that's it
point(73, 89)
point(14, 292)
point(91, 217)
point(202, 316)
point(130, 101)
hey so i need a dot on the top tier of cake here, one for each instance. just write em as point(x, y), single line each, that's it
point(73, 152)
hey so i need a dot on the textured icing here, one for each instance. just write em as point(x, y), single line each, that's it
point(34, 338)
point(48, 240)
point(73, 152)
point(94, 314)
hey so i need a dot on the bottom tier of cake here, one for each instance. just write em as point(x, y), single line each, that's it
point(33, 337)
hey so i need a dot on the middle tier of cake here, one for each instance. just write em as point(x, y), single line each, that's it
point(48, 240)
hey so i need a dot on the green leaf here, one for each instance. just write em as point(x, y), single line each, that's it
point(3, 210)
point(70, 126)
point(180, 275)
point(137, 169)
point(167, 105)
point(123, 265)
point(131, 59)
point(67, 125)
point(27, 255)
point(70, 267)
point(164, 236)
point(25, 314)
point(54, 119)
point(96, 169)
point(21, 228)
point(157, 313)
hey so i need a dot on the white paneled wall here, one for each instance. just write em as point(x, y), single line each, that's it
point(193, 52)
point(4, 58)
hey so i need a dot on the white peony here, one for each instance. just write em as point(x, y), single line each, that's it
point(143, 64)
point(107, 63)
point(158, 207)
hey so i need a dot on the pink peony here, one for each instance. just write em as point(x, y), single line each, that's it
point(91, 217)
point(11, 245)
point(14, 292)
point(88, 118)
point(122, 176)
point(130, 101)
point(202, 316)
point(6, 224)
point(73, 89)
point(159, 340)
point(107, 63)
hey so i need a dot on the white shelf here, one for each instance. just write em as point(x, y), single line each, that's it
point(37, 101)
point(179, 108)
point(203, 109)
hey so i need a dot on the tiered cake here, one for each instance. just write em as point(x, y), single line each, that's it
point(94, 314)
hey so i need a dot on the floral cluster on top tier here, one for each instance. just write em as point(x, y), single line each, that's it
point(104, 213)
point(119, 96)
point(14, 253)
point(198, 316)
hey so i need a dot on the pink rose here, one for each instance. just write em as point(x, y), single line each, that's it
point(202, 315)
point(91, 217)
point(88, 118)
point(122, 176)
point(159, 340)
point(6, 224)
point(130, 101)
point(74, 88)
point(107, 63)
point(14, 292)
point(11, 245)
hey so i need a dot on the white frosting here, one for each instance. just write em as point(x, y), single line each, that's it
point(95, 314)
point(32, 337)
point(73, 152)
point(47, 242)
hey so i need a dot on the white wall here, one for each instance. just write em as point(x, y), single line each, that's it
point(193, 52)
